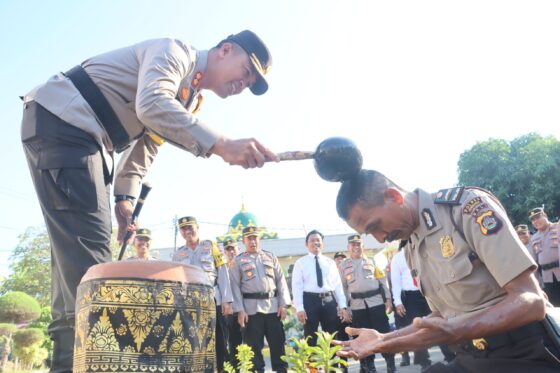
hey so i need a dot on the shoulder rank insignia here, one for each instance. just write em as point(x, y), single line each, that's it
point(447, 248)
point(489, 223)
point(451, 196)
point(378, 273)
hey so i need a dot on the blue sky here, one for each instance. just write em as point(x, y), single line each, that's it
point(413, 83)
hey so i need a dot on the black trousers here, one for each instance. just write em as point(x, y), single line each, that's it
point(552, 290)
point(72, 185)
point(529, 355)
point(416, 306)
point(373, 318)
point(319, 311)
point(268, 325)
point(222, 353)
point(235, 338)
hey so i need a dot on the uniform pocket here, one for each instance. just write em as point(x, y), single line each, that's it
point(269, 268)
point(71, 184)
point(248, 271)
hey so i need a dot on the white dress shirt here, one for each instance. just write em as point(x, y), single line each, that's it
point(401, 279)
point(304, 278)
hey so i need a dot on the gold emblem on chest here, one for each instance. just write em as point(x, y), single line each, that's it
point(447, 248)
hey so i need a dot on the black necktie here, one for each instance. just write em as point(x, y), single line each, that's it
point(319, 273)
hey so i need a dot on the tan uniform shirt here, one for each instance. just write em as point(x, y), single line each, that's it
point(458, 277)
point(218, 273)
point(257, 273)
point(358, 276)
point(545, 245)
point(142, 83)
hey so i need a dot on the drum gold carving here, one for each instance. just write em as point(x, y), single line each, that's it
point(151, 316)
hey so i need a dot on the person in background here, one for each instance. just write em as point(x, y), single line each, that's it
point(206, 255)
point(545, 245)
point(231, 249)
point(260, 299)
point(317, 289)
point(525, 236)
point(369, 298)
point(142, 243)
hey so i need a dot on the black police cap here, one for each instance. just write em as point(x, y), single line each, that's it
point(258, 54)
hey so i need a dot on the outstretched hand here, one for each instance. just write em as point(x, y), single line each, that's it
point(365, 342)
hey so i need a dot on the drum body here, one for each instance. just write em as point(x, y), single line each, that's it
point(144, 316)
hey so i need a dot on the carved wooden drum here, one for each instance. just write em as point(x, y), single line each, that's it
point(144, 316)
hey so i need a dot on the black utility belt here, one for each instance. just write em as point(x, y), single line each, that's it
point(263, 295)
point(365, 294)
point(318, 295)
point(100, 106)
point(550, 265)
point(532, 330)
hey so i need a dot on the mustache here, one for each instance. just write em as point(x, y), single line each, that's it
point(392, 236)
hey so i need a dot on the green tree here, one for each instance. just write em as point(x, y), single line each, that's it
point(523, 173)
point(18, 307)
point(27, 347)
point(31, 266)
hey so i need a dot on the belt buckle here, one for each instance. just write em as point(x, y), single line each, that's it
point(480, 344)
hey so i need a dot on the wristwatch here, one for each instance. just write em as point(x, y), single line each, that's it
point(124, 197)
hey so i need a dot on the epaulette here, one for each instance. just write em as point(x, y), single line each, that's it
point(451, 196)
point(269, 254)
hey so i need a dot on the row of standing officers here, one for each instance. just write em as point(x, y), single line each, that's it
point(252, 295)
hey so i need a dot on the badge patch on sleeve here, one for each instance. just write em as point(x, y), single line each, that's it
point(489, 223)
point(471, 205)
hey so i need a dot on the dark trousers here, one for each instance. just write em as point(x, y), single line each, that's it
point(319, 311)
point(552, 290)
point(235, 338)
point(373, 318)
point(528, 355)
point(73, 190)
point(416, 306)
point(268, 325)
point(222, 353)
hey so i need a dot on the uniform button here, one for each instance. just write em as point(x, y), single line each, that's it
point(437, 288)
point(424, 255)
point(452, 275)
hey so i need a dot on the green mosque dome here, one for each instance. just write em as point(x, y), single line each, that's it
point(241, 220)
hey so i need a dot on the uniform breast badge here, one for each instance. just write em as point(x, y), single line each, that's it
point(447, 248)
point(489, 223)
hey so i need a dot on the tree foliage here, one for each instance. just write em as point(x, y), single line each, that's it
point(7, 329)
point(18, 307)
point(31, 266)
point(28, 337)
point(523, 173)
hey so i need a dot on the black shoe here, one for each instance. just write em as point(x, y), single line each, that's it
point(405, 360)
point(392, 369)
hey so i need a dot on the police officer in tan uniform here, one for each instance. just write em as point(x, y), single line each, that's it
point(137, 96)
point(473, 270)
point(525, 237)
point(206, 255)
point(260, 296)
point(545, 245)
point(231, 249)
point(142, 244)
point(369, 298)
